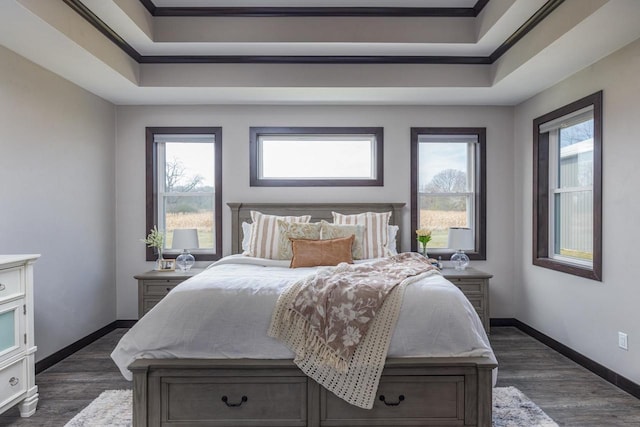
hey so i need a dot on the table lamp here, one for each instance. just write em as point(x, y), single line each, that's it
point(185, 239)
point(460, 239)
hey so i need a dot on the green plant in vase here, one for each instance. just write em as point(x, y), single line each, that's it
point(423, 237)
point(155, 240)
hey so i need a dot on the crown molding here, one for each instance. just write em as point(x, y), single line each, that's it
point(101, 26)
point(471, 12)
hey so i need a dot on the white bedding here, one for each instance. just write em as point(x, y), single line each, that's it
point(225, 311)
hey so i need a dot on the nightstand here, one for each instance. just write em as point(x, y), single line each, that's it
point(475, 286)
point(155, 285)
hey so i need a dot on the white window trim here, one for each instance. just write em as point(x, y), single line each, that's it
point(371, 139)
point(161, 185)
point(554, 166)
point(470, 195)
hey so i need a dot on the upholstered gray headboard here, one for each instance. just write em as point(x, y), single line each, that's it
point(241, 212)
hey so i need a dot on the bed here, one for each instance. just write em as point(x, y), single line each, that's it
point(255, 382)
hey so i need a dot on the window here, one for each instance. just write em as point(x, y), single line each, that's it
point(316, 156)
point(184, 182)
point(567, 201)
point(448, 186)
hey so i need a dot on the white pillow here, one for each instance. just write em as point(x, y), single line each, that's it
point(246, 236)
point(392, 246)
point(376, 233)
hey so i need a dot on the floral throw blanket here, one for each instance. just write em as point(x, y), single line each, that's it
point(326, 319)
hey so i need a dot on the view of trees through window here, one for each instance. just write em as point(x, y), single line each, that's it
point(184, 187)
point(445, 186)
point(189, 190)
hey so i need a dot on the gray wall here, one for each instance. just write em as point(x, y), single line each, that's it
point(62, 198)
point(583, 314)
point(235, 122)
point(57, 198)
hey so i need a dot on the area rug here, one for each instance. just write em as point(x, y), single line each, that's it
point(511, 408)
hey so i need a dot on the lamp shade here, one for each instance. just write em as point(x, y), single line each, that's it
point(185, 238)
point(461, 238)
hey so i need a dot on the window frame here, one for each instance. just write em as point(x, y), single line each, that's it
point(151, 182)
point(254, 156)
point(541, 236)
point(480, 188)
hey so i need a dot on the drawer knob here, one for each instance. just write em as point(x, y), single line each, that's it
point(14, 381)
point(400, 399)
point(225, 399)
point(168, 288)
point(2, 287)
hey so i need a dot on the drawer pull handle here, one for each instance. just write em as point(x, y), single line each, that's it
point(225, 399)
point(14, 381)
point(168, 288)
point(2, 287)
point(400, 399)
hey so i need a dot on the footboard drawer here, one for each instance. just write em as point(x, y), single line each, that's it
point(401, 401)
point(248, 401)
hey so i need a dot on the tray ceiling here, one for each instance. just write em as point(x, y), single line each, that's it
point(496, 52)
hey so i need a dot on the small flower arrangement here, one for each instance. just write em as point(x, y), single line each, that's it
point(155, 240)
point(423, 237)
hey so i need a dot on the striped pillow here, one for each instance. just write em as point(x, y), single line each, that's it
point(265, 236)
point(376, 236)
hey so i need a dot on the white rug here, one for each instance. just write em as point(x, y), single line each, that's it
point(511, 408)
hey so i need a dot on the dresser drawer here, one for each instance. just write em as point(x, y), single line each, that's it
point(400, 401)
point(13, 381)
point(11, 283)
point(159, 287)
point(477, 302)
point(467, 286)
point(249, 401)
point(149, 303)
point(12, 329)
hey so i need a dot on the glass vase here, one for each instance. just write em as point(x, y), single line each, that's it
point(423, 249)
point(159, 259)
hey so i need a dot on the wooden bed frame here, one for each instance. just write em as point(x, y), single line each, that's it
point(249, 392)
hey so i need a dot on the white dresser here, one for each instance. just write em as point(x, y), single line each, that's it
point(17, 349)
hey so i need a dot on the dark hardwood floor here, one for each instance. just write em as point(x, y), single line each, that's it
point(567, 392)
point(67, 387)
point(570, 394)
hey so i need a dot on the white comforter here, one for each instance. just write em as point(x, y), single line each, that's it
point(225, 312)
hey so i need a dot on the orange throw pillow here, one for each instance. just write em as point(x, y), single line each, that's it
point(313, 253)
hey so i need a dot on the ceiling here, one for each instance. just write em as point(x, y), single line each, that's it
point(414, 52)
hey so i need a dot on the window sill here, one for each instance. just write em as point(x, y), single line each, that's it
point(446, 254)
point(574, 269)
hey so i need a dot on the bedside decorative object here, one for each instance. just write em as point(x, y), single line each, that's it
point(185, 239)
point(166, 265)
point(155, 240)
point(460, 239)
point(424, 237)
